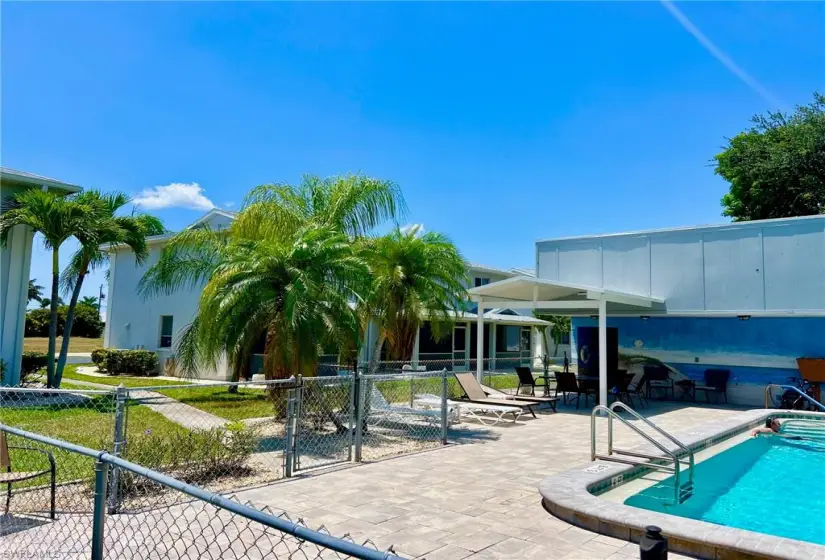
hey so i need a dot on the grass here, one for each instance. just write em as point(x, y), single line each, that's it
point(246, 403)
point(89, 423)
point(77, 344)
point(114, 380)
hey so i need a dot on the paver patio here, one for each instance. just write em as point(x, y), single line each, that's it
point(475, 500)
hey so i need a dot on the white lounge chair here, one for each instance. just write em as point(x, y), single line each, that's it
point(477, 411)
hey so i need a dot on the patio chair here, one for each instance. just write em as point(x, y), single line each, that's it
point(496, 394)
point(9, 477)
point(526, 379)
point(716, 381)
point(639, 388)
point(622, 389)
point(658, 378)
point(474, 393)
point(567, 384)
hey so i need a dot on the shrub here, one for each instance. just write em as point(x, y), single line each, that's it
point(193, 456)
point(125, 362)
point(2, 370)
point(30, 363)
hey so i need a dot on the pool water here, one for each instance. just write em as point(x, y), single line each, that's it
point(765, 484)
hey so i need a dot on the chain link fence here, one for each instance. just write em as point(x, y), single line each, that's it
point(163, 518)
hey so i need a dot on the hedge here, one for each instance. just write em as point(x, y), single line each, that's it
point(86, 322)
point(125, 362)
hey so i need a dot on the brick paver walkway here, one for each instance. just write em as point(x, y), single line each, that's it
point(476, 500)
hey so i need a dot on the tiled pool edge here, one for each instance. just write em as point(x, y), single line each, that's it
point(571, 496)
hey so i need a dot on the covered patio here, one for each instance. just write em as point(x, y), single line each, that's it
point(559, 298)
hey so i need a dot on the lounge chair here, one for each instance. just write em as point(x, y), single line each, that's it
point(526, 379)
point(474, 393)
point(429, 411)
point(8, 477)
point(716, 381)
point(496, 394)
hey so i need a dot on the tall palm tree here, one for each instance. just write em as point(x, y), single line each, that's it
point(103, 227)
point(295, 309)
point(351, 204)
point(415, 278)
point(35, 291)
point(293, 292)
point(57, 219)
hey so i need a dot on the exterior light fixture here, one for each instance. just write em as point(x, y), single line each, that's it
point(644, 317)
point(743, 317)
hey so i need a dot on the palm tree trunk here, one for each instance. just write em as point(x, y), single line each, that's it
point(376, 352)
point(67, 330)
point(53, 318)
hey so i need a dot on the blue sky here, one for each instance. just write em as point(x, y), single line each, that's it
point(503, 123)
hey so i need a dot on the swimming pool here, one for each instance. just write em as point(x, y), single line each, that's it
point(767, 484)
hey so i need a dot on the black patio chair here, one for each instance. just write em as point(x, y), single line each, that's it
point(658, 378)
point(526, 379)
point(622, 390)
point(9, 477)
point(567, 384)
point(716, 381)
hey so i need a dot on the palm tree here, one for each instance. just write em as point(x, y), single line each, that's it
point(57, 219)
point(560, 325)
point(47, 302)
point(35, 291)
point(414, 278)
point(295, 303)
point(351, 204)
point(89, 301)
point(104, 227)
point(293, 292)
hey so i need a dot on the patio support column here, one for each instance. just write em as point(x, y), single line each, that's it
point(603, 351)
point(480, 341)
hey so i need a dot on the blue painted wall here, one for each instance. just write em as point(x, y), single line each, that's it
point(757, 351)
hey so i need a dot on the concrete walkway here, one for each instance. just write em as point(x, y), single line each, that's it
point(175, 411)
point(475, 501)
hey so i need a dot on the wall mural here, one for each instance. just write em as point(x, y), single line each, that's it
point(756, 350)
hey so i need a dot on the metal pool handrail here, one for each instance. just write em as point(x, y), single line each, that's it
point(807, 397)
point(676, 469)
point(304, 533)
point(637, 416)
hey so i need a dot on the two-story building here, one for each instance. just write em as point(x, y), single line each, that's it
point(15, 265)
point(133, 322)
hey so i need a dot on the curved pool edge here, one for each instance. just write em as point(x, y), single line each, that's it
point(570, 497)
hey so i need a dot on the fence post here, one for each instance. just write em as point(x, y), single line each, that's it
point(444, 415)
point(99, 520)
point(289, 444)
point(119, 439)
point(353, 395)
point(359, 413)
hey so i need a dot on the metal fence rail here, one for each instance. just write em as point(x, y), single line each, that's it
point(167, 518)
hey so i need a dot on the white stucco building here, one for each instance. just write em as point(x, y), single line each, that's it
point(15, 265)
point(133, 322)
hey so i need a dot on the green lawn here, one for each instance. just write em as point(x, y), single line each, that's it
point(246, 403)
point(114, 380)
point(88, 422)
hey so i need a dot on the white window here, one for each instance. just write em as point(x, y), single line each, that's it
point(166, 331)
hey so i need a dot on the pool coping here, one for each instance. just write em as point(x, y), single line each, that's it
point(573, 496)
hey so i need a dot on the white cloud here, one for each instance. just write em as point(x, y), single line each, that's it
point(717, 53)
point(417, 229)
point(228, 204)
point(174, 195)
